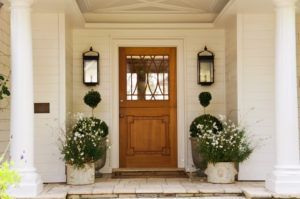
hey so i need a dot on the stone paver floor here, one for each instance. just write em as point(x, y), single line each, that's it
point(158, 188)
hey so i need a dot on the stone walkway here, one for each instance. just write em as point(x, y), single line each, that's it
point(158, 188)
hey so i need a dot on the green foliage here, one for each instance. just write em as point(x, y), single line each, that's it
point(84, 144)
point(8, 178)
point(207, 123)
point(204, 98)
point(228, 145)
point(92, 98)
point(4, 91)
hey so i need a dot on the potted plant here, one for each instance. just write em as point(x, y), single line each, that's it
point(84, 145)
point(206, 121)
point(222, 149)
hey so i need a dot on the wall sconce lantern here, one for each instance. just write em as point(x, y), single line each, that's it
point(206, 67)
point(90, 67)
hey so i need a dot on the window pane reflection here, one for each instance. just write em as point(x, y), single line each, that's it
point(148, 77)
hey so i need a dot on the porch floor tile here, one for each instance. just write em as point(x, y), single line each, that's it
point(158, 188)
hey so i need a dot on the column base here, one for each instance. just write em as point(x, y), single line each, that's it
point(31, 185)
point(284, 180)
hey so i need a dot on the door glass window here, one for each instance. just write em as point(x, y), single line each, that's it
point(147, 77)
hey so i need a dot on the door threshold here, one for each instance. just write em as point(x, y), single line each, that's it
point(149, 173)
point(146, 169)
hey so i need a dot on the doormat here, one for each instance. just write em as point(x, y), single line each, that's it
point(150, 174)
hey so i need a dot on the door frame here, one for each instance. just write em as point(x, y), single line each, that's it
point(182, 133)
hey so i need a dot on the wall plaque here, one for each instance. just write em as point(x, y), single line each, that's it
point(41, 107)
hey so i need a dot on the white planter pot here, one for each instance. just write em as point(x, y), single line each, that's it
point(81, 176)
point(221, 172)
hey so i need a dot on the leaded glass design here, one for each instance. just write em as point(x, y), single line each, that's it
point(147, 77)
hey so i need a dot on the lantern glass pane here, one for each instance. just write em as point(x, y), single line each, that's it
point(206, 71)
point(90, 71)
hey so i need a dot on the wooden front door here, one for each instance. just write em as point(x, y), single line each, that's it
point(148, 137)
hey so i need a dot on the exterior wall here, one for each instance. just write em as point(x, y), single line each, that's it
point(49, 86)
point(4, 69)
point(255, 61)
point(194, 41)
point(231, 70)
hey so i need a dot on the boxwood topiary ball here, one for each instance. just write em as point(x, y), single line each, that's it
point(92, 98)
point(204, 98)
point(208, 122)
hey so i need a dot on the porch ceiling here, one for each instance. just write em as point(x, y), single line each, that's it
point(150, 11)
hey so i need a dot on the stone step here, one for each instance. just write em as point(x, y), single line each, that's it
point(144, 196)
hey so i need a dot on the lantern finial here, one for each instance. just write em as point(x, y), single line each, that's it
point(205, 48)
point(91, 48)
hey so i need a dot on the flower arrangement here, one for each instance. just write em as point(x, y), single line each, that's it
point(227, 145)
point(84, 144)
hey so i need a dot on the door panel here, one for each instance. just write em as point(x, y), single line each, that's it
point(148, 136)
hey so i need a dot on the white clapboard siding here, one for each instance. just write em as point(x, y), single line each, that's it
point(255, 66)
point(48, 60)
point(4, 69)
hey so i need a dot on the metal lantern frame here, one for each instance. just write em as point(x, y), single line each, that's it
point(86, 56)
point(206, 56)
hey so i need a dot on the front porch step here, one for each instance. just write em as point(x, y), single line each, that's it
point(183, 196)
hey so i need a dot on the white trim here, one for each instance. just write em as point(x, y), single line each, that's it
point(62, 68)
point(146, 42)
point(62, 79)
point(240, 68)
point(149, 25)
point(224, 11)
point(75, 13)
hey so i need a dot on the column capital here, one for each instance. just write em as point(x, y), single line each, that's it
point(284, 3)
point(21, 3)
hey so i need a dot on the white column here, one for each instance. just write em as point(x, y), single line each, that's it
point(22, 118)
point(285, 177)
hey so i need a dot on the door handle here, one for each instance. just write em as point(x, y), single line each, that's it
point(121, 115)
point(121, 100)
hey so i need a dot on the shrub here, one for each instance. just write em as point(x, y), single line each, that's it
point(8, 178)
point(205, 123)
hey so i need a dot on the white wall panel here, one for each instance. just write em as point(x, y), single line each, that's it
point(48, 51)
point(255, 81)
